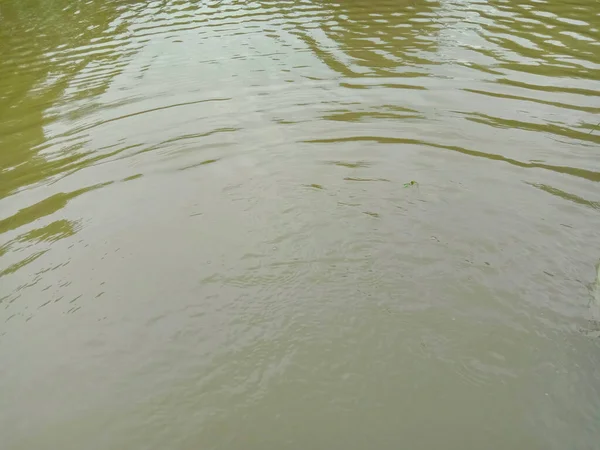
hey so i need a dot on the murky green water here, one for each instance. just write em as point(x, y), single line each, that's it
point(206, 241)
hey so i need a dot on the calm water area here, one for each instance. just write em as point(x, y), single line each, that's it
point(303, 225)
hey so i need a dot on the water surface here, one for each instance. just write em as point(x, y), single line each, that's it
point(209, 238)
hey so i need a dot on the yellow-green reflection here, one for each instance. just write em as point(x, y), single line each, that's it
point(41, 209)
point(44, 56)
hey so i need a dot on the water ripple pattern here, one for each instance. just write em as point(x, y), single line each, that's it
point(299, 224)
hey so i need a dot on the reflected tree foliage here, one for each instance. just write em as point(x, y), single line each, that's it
point(44, 46)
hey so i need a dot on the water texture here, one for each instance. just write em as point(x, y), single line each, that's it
point(210, 237)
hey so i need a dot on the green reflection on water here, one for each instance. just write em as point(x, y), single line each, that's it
point(34, 77)
point(44, 208)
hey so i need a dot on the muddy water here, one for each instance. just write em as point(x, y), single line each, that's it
point(210, 238)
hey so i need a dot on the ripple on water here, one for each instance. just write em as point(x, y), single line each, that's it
point(207, 214)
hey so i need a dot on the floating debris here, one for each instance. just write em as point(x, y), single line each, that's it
point(411, 183)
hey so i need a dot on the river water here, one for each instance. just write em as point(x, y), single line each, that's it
point(299, 224)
